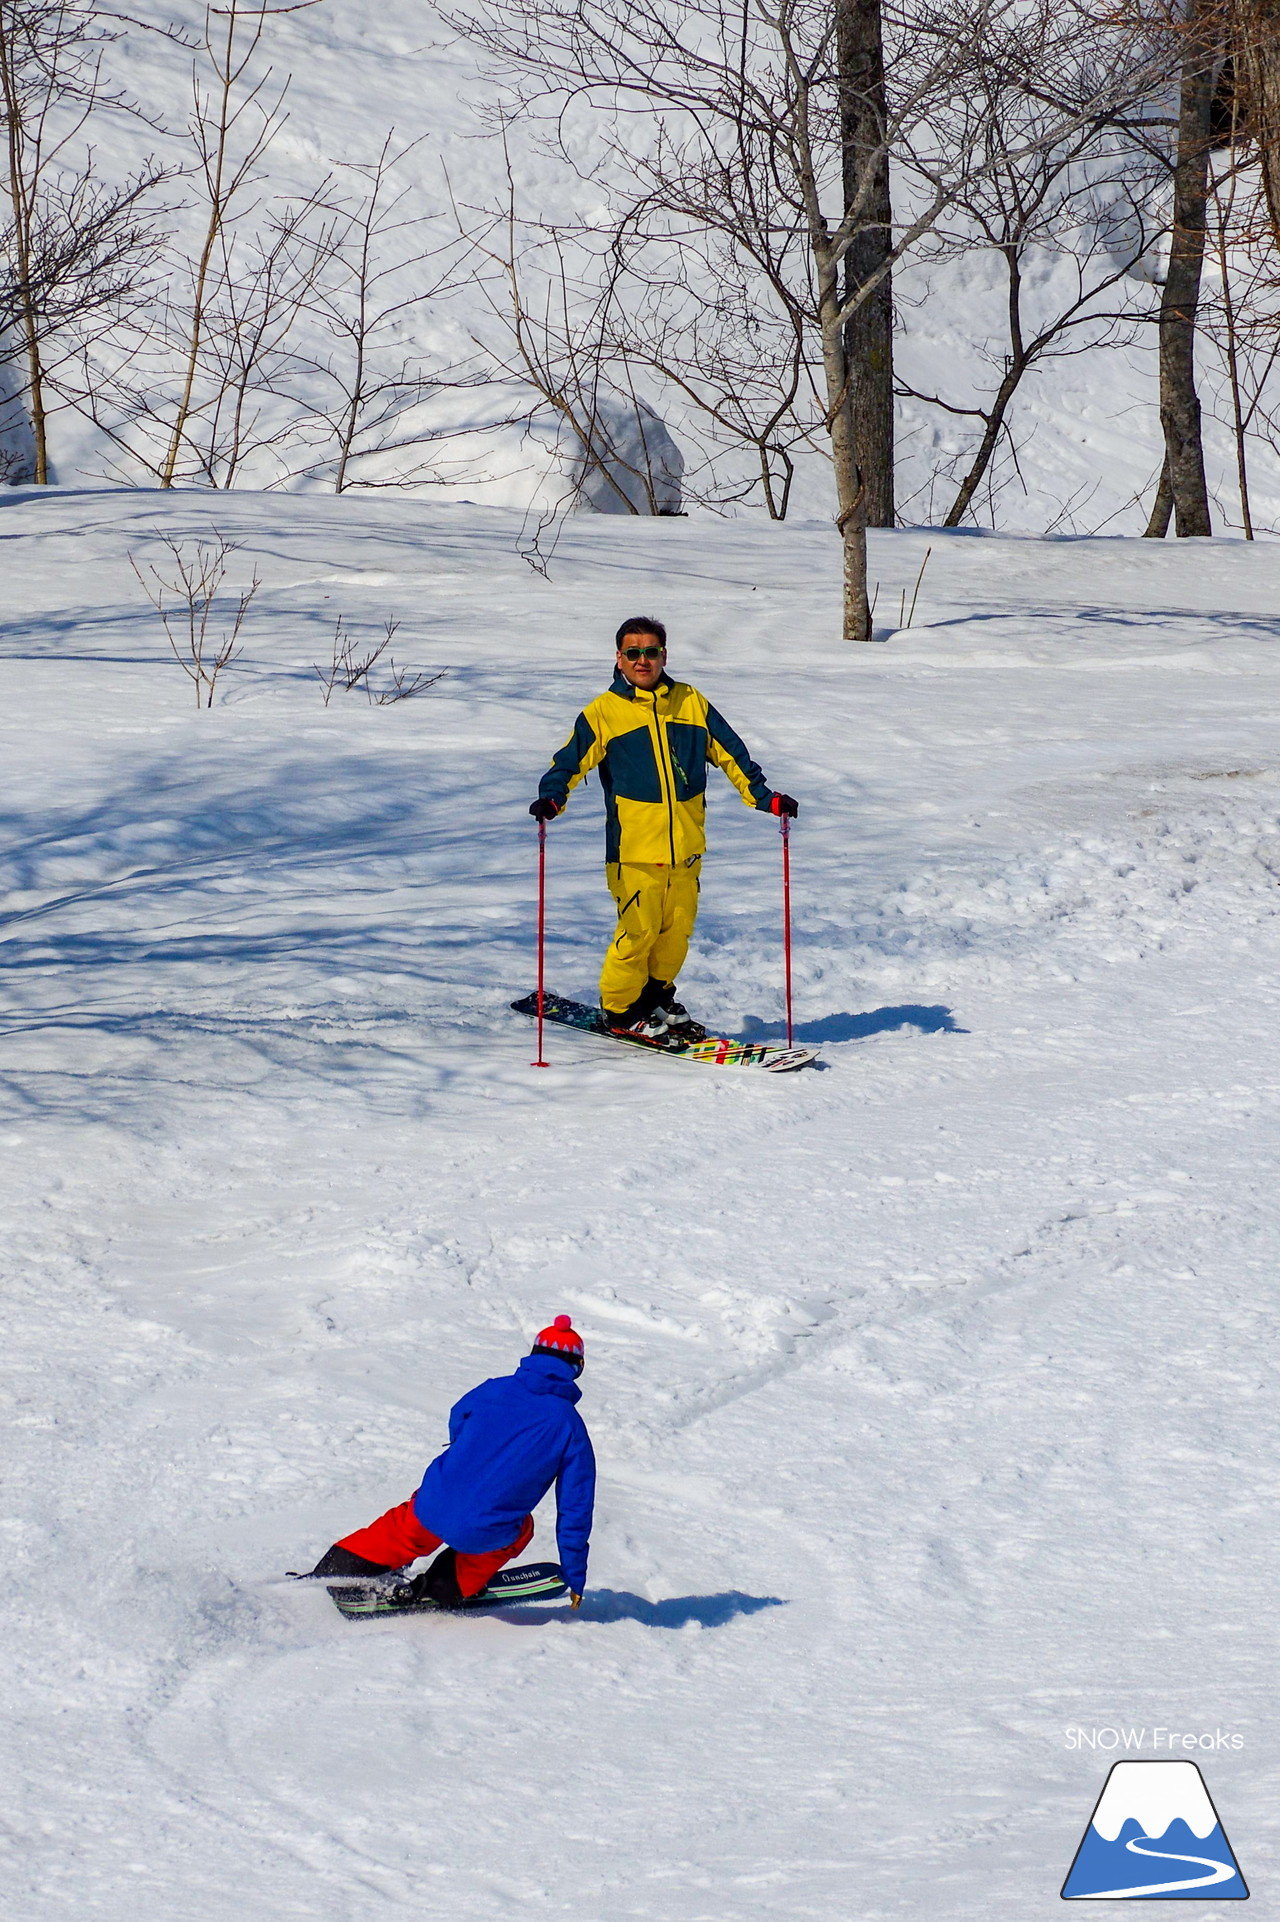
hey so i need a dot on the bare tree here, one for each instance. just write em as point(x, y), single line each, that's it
point(1183, 494)
point(74, 250)
point(251, 359)
point(1255, 40)
point(864, 128)
point(1083, 207)
point(1222, 206)
point(367, 292)
point(235, 116)
point(286, 335)
point(272, 278)
point(557, 335)
point(742, 371)
point(729, 116)
point(1240, 307)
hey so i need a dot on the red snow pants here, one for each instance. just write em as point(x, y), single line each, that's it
point(398, 1538)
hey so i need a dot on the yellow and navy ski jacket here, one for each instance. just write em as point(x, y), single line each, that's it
point(652, 747)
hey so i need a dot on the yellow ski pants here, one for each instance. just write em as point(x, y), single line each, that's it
point(657, 907)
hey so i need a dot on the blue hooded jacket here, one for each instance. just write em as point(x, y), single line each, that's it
point(509, 1439)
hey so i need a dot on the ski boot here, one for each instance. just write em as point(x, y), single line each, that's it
point(438, 1584)
point(680, 1023)
point(644, 1018)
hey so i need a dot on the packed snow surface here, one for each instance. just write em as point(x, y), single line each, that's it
point(934, 1389)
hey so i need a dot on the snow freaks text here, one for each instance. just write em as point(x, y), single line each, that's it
point(1157, 1740)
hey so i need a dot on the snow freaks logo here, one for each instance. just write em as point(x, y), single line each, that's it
point(1154, 1833)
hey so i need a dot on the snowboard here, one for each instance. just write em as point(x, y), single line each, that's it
point(717, 1051)
point(376, 1599)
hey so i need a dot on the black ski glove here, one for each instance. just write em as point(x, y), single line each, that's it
point(783, 804)
point(545, 809)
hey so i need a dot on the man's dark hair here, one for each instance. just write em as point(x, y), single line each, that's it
point(641, 624)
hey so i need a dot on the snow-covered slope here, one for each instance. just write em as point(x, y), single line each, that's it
point(934, 1391)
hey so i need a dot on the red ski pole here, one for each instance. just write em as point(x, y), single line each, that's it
point(786, 913)
point(542, 926)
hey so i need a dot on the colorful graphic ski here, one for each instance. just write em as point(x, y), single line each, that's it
point(717, 1051)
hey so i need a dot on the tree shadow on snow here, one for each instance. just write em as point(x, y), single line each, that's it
point(854, 1027)
point(1210, 625)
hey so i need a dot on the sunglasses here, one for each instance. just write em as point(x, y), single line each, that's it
point(642, 653)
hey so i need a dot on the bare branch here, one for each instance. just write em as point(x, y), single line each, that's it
point(185, 599)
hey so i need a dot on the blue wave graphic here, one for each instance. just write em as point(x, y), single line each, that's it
point(1177, 1864)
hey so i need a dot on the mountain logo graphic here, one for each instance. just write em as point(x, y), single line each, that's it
point(1154, 1833)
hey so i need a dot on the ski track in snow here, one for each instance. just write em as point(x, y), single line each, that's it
point(933, 1391)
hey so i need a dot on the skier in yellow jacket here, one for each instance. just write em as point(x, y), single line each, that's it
point(651, 738)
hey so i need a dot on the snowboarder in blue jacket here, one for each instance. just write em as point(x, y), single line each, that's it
point(509, 1440)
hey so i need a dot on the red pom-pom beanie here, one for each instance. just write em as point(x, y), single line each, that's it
point(561, 1341)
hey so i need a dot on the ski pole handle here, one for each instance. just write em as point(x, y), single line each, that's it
point(785, 828)
point(542, 927)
